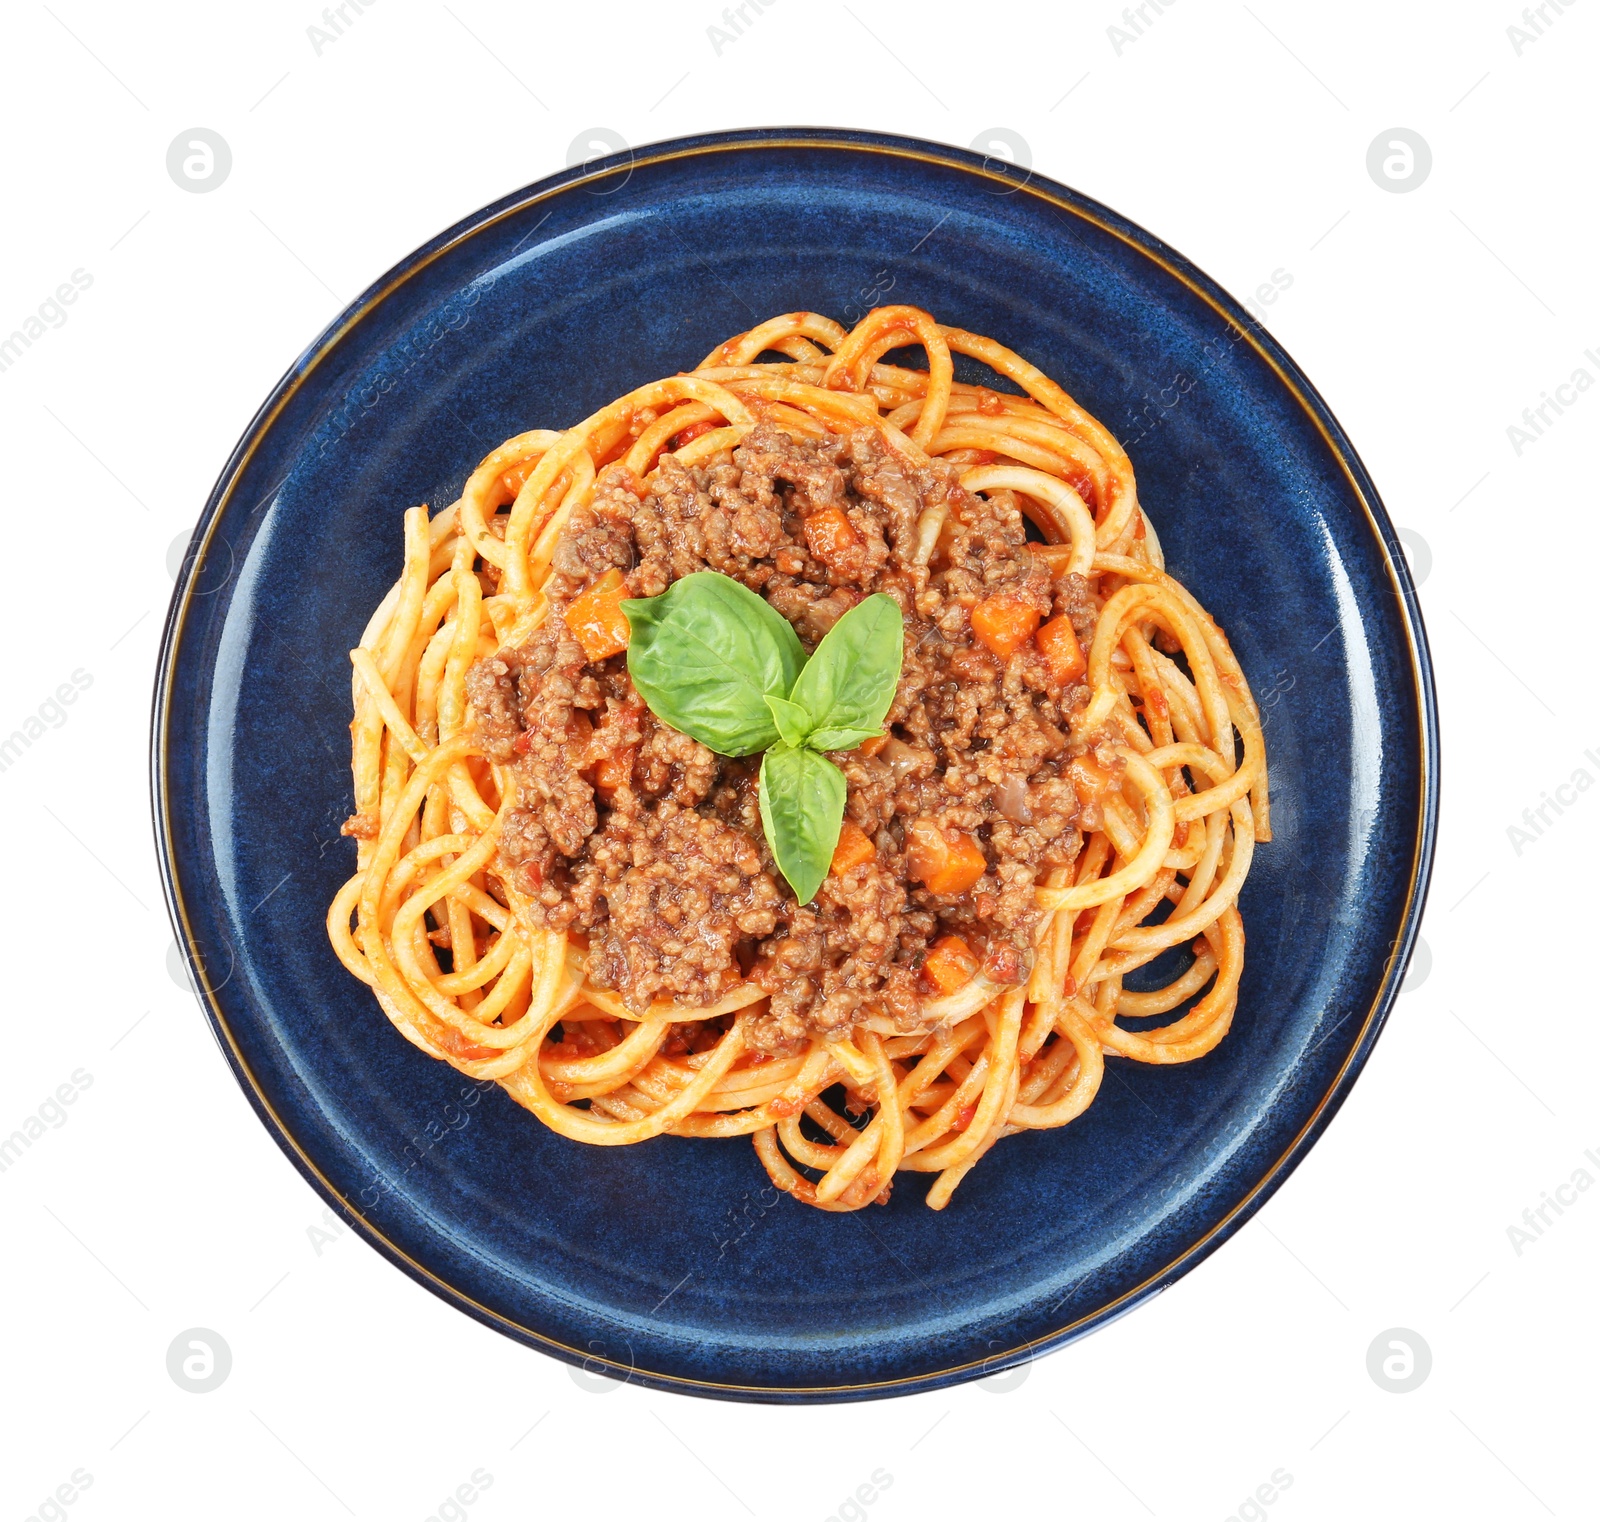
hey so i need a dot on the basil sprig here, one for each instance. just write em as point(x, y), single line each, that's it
point(706, 653)
point(802, 807)
point(847, 686)
point(721, 664)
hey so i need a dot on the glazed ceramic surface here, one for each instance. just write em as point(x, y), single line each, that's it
point(674, 1262)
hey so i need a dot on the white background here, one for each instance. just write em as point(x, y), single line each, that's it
point(1429, 319)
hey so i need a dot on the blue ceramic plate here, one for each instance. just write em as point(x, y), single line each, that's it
point(673, 1263)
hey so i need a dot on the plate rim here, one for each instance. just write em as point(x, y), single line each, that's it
point(1064, 199)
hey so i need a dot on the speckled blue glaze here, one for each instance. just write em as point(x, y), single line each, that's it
point(672, 1262)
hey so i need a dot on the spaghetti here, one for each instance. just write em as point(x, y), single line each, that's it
point(951, 1043)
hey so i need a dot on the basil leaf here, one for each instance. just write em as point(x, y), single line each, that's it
point(793, 722)
point(802, 807)
point(850, 680)
point(840, 739)
point(706, 653)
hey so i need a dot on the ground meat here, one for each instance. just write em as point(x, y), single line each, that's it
point(667, 896)
point(494, 697)
point(835, 954)
point(882, 479)
point(537, 689)
point(594, 542)
point(672, 765)
point(665, 868)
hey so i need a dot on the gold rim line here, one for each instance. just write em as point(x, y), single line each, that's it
point(178, 616)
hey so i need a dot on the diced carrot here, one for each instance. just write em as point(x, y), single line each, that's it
point(944, 861)
point(597, 620)
point(874, 745)
point(1063, 655)
point(1090, 780)
point(831, 537)
point(1004, 623)
point(855, 846)
point(950, 964)
point(614, 770)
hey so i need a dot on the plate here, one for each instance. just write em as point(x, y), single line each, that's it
point(674, 1263)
